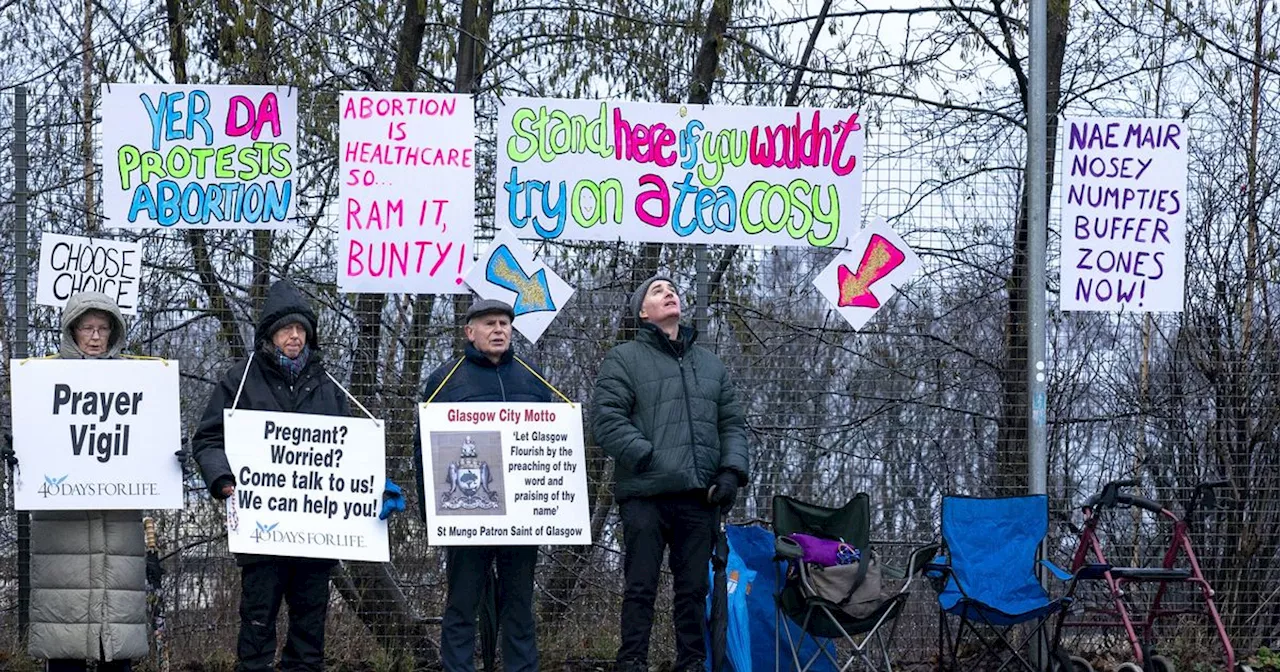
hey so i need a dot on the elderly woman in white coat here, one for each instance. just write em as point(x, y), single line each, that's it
point(88, 568)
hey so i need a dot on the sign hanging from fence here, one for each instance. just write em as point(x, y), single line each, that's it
point(212, 157)
point(1124, 215)
point(307, 485)
point(96, 434)
point(504, 474)
point(861, 279)
point(645, 172)
point(70, 264)
point(407, 166)
point(509, 272)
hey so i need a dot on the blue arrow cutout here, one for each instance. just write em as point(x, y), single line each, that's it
point(532, 292)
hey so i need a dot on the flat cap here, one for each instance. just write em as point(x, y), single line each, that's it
point(487, 307)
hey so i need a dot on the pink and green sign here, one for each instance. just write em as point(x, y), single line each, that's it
point(610, 170)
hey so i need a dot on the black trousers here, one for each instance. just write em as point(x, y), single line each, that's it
point(687, 524)
point(304, 586)
point(468, 567)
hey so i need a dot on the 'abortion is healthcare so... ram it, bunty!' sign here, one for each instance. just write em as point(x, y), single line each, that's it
point(407, 166)
point(307, 485)
point(1124, 215)
point(504, 474)
point(644, 172)
point(96, 434)
point(212, 157)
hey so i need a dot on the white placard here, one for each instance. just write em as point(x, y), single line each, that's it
point(861, 279)
point(504, 474)
point(307, 486)
point(407, 191)
point(509, 272)
point(70, 264)
point(199, 156)
point(671, 173)
point(1124, 215)
point(96, 434)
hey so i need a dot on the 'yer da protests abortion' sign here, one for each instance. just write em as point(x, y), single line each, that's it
point(96, 434)
point(504, 474)
point(662, 173)
point(307, 485)
point(69, 265)
point(1124, 215)
point(221, 157)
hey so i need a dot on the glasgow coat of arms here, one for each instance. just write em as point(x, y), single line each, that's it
point(469, 482)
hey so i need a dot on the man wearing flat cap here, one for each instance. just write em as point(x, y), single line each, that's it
point(488, 370)
point(666, 411)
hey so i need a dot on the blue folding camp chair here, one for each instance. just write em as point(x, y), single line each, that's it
point(987, 581)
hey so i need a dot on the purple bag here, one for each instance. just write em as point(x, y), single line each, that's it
point(825, 552)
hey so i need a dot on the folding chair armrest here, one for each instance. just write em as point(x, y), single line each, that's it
point(1058, 572)
point(920, 559)
point(923, 557)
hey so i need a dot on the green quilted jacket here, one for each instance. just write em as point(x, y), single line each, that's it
point(670, 421)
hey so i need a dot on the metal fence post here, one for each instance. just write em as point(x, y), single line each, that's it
point(20, 329)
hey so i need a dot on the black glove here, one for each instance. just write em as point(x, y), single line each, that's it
point(6, 452)
point(182, 454)
point(642, 464)
point(724, 490)
point(218, 485)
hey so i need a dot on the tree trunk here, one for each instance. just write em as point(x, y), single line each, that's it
point(568, 564)
point(219, 306)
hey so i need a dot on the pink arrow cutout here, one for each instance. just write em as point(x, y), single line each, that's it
point(880, 258)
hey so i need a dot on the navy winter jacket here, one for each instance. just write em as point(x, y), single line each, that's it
point(476, 378)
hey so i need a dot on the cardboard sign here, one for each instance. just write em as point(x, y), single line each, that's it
point(307, 486)
point(96, 434)
point(1124, 215)
point(204, 156)
point(861, 279)
point(505, 474)
point(509, 272)
point(407, 167)
point(70, 265)
point(663, 173)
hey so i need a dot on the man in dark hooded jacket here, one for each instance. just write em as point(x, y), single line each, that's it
point(285, 373)
point(667, 413)
point(488, 371)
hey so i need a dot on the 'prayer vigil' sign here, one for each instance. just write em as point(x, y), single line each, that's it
point(96, 434)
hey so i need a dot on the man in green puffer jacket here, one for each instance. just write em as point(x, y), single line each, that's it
point(666, 412)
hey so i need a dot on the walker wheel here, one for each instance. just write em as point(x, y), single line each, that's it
point(1161, 664)
point(1079, 664)
point(1066, 663)
point(1128, 667)
point(1241, 667)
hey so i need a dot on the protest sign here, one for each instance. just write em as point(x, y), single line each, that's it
point(69, 265)
point(407, 166)
point(96, 434)
point(609, 170)
point(1124, 215)
point(504, 474)
point(509, 272)
point(307, 485)
point(859, 280)
point(203, 156)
